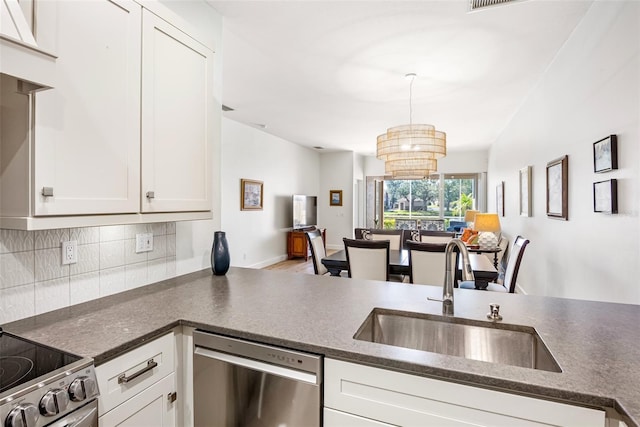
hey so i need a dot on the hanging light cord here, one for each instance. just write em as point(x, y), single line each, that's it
point(411, 76)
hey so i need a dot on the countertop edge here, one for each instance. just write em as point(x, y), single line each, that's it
point(459, 377)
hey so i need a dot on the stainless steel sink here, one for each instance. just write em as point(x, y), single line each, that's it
point(487, 341)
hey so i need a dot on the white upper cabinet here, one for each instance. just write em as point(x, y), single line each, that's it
point(177, 80)
point(87, 129)
point(125, 136)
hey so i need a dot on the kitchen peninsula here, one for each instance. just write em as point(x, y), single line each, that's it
point(596, 344)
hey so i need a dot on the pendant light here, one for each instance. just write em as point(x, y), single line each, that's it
point(411, 151)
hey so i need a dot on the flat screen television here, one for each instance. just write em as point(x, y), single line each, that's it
point(305, 211)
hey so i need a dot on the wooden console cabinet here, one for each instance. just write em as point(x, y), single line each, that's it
point(298, 245)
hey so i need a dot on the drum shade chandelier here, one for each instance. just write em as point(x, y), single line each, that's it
point(411, 151)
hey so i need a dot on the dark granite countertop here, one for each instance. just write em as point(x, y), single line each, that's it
point(596, 344)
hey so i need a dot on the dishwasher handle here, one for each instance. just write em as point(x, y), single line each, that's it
point(258, 366)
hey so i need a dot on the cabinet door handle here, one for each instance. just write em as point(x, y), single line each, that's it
point(123, 379)
point(151, 194)
point(47, 191)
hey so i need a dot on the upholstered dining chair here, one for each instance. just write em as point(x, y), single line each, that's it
point(427, 262)
point(360, 233)
point(511, 272)
point(317, 251)
point(393, 236)
point(434, 236)
point(367, 259)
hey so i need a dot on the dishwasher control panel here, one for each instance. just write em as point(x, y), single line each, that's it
point(290, 358)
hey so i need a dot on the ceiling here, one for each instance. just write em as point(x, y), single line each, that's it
point(331, 73)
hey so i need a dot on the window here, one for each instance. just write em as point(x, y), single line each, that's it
point(415, 203)
point(459, 195)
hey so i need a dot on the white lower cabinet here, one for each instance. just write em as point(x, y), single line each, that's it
point(149, 408)
point(137, 388)
point(337, 418)
point(357, 395)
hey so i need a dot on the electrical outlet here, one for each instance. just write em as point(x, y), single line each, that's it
point(69, 252)
point(144, 242)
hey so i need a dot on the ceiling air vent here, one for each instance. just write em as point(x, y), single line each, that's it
point(479, 4)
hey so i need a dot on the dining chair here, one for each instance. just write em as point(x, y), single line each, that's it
point(435, 236)
point(367, 259)
point(511, 271)
point(317, 251)
point(427, 262)
point(360, 233)
point(393, 236)
point(501, 257)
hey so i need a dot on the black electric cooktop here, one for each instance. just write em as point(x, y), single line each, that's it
point(22, 360)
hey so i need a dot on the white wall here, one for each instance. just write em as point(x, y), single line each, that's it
point(359, 190)
point(337, 173)
point(258, 238)
point(591, 90)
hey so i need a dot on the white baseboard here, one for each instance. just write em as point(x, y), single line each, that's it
point(336, 247)
point(267, 263)
point(520, 289)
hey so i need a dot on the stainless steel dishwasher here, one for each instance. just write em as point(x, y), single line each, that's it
point(241, 383)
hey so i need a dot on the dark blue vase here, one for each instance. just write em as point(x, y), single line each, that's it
point(219, 254)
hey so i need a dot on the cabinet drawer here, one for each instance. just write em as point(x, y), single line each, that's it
point(403, 399)
point(114, 391)
point(149, 408)
point(342, 419)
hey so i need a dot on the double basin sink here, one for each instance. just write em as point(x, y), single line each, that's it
point(486, 341)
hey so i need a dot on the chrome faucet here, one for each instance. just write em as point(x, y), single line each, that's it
point(450, 273)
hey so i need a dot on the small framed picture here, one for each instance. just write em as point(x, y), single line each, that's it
point(605, 196)
point(335, 197)
point(605, 154)
point(500, 198)
point(525, 191)
point(558, 188)
point(251, 195)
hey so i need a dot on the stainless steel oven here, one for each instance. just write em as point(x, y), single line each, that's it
point(42, 386)
point(241, 383)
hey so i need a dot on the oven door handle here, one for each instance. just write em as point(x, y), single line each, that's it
point(258, 366)
point(87, 416)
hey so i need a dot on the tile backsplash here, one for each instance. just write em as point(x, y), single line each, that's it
point(33, 279)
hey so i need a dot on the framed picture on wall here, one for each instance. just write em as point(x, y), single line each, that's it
point(500, 198)
point(251, 195)
point(558, 188)
point(605, 196)
point(605, 154)
point(525, 191)
point(335, 197)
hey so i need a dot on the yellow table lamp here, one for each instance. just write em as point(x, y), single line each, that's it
point(488, 227)
point(469, 217)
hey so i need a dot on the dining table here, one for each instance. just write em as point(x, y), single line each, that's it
point(479, 250)
point(483, 269)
